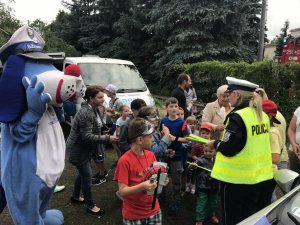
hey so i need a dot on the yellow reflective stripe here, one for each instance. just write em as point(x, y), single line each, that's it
point(239, 170)
point(256, 160)
point(240, 176)
point(243, 180)
point(242, 167)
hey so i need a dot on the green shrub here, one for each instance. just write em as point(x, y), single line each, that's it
point(207, 76)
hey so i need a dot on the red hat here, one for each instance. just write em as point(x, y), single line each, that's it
point(207, 127)
point(270, 108)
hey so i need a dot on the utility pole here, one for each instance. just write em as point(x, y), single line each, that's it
point(262, 31)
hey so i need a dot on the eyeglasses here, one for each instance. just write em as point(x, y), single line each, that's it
point(148, 128)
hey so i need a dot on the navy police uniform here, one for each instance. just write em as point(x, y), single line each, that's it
point(238, 166)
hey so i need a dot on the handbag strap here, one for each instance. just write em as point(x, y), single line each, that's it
point(97, 113)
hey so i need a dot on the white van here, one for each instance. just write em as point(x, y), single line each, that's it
point(123, 74)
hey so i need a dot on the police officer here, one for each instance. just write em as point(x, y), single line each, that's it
point(243, 162)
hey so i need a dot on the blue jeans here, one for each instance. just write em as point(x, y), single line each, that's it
point(83, 182)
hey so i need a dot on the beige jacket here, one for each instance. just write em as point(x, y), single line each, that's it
point(282, 129)
point(215, 115)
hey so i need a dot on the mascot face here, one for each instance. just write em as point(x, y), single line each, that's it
point(22, 56)
point(61, 87)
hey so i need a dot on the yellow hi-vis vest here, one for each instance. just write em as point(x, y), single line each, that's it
point(253, 164)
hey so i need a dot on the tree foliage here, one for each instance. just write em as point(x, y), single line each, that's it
point(279, 39)
point(194, 31)
point(158, 33)
point(89, 25)
point(8, 24)
point(53, 43)
point(155, 34)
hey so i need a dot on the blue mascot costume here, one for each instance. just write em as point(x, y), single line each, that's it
point(32, 92)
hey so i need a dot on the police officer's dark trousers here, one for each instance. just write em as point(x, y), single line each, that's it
point(238, 201)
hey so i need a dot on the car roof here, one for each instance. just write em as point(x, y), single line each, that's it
point(96, 60)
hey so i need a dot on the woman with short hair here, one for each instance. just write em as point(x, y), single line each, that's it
point(215, 112)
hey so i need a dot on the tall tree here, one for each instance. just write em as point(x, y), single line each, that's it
point(109, 12)
point(8, 23)
point(90, 23)
point(65, 27)
point(158, 33)
point(280, 39)
point(132, 42)
point(204, 30)
point(53, 43)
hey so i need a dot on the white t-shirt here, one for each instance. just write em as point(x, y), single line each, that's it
point(121, 122)
point(297, 114)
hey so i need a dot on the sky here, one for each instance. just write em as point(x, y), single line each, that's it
point(25, 10)
point(278, 11)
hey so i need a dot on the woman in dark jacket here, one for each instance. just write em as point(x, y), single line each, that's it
point(82, 143)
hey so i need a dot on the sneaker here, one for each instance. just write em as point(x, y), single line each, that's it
point(193, 189)
point(97, 175)
point(59, 188)
point(214, 220)
point(199, 223)
point(99, 180)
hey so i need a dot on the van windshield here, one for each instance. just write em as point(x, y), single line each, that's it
point(126, 77)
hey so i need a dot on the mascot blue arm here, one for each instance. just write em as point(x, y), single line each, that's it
point(20, 162)
point(25, 129)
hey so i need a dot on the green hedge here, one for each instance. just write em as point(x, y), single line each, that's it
point(207, 76)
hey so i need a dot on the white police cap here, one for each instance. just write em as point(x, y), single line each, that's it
point(24, 41)
point(239, 84)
